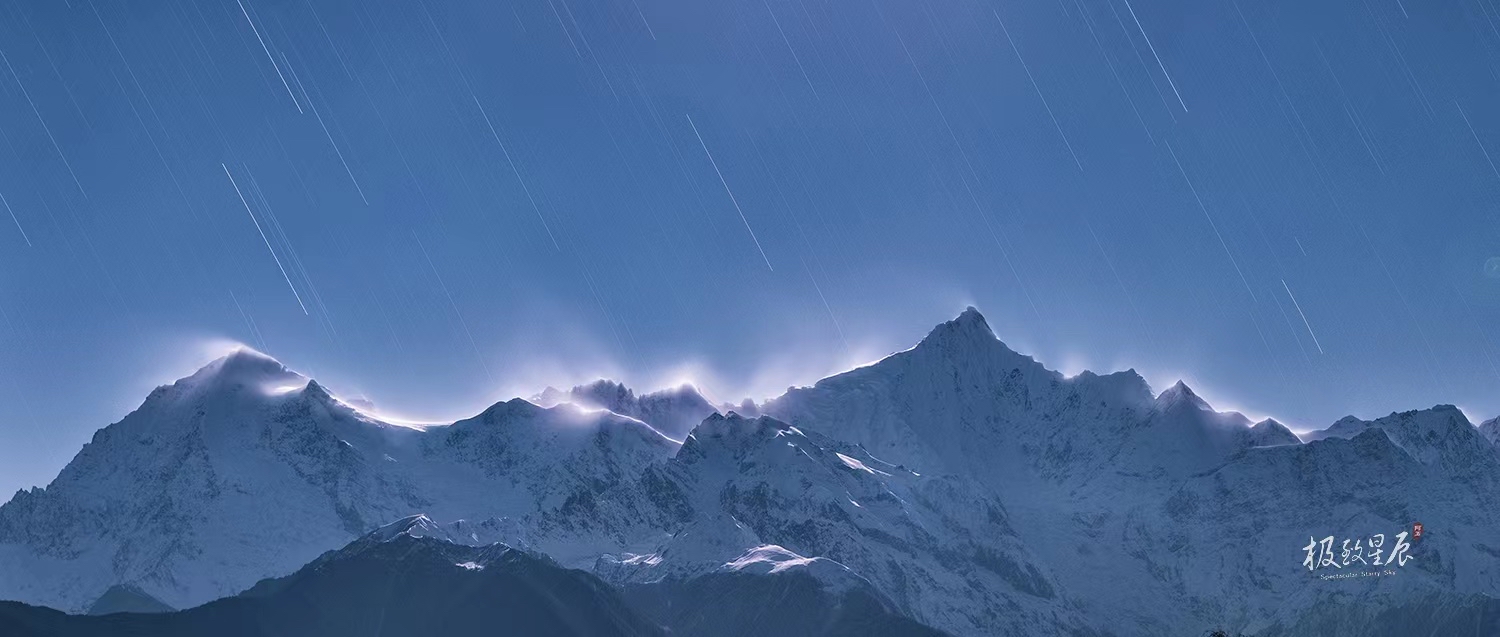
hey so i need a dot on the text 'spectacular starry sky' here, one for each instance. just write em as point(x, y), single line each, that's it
point(1289, 204)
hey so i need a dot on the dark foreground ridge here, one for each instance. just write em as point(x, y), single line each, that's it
point(402, 587)
point(411, 578)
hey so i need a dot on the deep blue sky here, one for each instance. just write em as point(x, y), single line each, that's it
point(1112, 203)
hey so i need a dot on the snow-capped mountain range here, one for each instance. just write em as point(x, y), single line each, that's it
point(958, 483)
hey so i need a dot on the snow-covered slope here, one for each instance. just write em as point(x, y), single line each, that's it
point(760, 496)
point(1441, 437)
point(958, 483)
point(1491, 430)
point(1271, 502)
point(246, 470)
point(1162, 516)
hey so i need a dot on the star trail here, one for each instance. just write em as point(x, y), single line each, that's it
point(452, 203)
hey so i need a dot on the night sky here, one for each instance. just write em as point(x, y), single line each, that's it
point(435, 205)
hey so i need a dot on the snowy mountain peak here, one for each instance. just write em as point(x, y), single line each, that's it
point(418, 525)
point(971, 315)
point(462, 532)
point(244, 368)
point(316, 391)
point(1448, 411)
point(1444, 421)
point(735, 425)
point(674, 412)
point(507, 409)
point(606, 392)
point(1270, 432)
point(967, 344)
point(243, 365)
point(1346, 427)
point(1491, 430)
point(603, 393)
point(969, 326)
point(732, 434)
point(1181, 394)
point(747, 407)
point(1440, 436)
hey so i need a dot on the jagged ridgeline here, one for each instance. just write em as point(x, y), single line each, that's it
point(956, 487)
